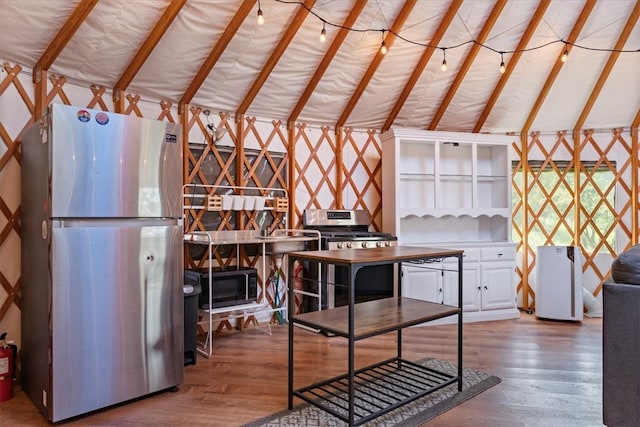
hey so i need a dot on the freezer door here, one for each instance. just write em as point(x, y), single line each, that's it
point(111, 165)
point(117, 314)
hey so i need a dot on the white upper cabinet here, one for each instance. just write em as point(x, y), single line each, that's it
point(446, 186)
point(453, 190)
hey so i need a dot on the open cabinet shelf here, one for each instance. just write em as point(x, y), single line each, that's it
point(453, 190)
point(446, 186)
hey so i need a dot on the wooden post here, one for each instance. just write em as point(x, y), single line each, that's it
point(524, 160)
point(339, 162)
point(40, 88)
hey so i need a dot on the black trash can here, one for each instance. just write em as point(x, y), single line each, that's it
point(191, 295)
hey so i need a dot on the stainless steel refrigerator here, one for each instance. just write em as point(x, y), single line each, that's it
point(102, 272)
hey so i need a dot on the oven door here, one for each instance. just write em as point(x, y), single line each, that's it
point(372, 282)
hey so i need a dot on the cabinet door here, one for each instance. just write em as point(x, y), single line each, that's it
point(422, 283)
point(470, 288)
point(498, 285)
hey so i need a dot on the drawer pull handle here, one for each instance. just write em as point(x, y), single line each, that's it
point(500, 254)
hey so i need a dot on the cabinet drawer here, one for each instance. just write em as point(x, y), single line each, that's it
point(469, 255)
point(497, 254)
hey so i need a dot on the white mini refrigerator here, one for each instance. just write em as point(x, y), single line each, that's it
point(559, 282)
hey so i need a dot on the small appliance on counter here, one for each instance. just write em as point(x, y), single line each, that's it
point(229, 286)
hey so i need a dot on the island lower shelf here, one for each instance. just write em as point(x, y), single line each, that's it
point(379, 388)
point(376, 317)
point(361, 395)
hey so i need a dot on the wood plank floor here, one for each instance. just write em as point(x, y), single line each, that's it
point(551, 376)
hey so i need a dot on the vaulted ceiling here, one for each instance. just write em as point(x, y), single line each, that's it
point(214, 54)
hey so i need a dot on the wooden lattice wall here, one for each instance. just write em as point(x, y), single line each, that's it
point(332, 169)
point(338, 171)
point(321, 180)
point(559, 215)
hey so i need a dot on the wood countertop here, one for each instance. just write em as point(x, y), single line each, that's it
point(376, 255)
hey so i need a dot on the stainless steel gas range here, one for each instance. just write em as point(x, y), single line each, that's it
point(348, 229)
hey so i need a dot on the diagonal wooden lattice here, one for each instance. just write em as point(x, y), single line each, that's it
point(195, 175)
point(97, 102)
point(554, 221)
point(277, 179)
point(11, 222)
point(635, 143)
point(313, 183)
point(518, 208)
point(605, 204)
point(211, 156)
point(277, 168)
point(554, 217)
point(366, 160)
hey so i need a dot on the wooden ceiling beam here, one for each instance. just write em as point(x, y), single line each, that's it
point(468, 61)
point(61, 39)
point(275, 56)
point(573, 36)
point(606, 71)
point(375, 63)
point(422, 62)
point(216, 52)
point(147, 47)
point(512, 63)
point(326, 61)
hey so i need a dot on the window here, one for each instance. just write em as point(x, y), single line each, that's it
point(551, 189)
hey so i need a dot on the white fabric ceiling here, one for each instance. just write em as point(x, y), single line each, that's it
point(107, 41)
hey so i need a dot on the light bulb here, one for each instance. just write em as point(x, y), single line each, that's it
point(260, 17)
point(443, 67)
point(565, 55)
point(502, 68)
point(323, 34)
point(383, 48)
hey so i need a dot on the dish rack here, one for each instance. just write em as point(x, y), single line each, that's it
point(236, 198)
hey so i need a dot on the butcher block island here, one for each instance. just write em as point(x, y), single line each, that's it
point(349, 397)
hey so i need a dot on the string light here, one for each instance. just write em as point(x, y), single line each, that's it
point(502, 67)
point(383, 45)
point(443, 67)
point(260, 16)
point(427, 45)
point(323, 33)
point(565, 54)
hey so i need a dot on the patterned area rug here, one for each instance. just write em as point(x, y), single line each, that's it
point(415, 413)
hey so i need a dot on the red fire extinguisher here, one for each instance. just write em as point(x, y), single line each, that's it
point(7, 358)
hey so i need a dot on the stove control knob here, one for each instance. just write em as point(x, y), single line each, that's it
point(387, 243)
point(340, 244)
point(379, 244)
point(364, 244)
point(348, 245)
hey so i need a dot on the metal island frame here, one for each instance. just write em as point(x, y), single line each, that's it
point(361, 395)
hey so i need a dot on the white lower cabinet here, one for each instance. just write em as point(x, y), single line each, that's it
point(423, 282)
point(488, 283)
point(497, 286)
point(471, 297)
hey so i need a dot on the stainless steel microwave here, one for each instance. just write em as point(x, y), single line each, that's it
point(229, 286)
